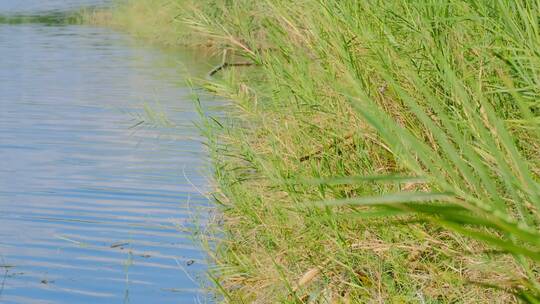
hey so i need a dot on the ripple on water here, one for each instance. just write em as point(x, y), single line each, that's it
point(92, 210)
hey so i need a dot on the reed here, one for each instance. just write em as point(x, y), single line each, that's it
point(375, 151)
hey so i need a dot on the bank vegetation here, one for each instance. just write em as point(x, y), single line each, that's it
point(373, 151)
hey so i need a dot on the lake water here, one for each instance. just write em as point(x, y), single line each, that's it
point(96, 197)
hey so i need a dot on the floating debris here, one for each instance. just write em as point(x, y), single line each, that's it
point(119, 244)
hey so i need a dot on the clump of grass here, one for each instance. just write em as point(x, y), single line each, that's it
point(380, 151)
point(50, 18)
point(157, 21)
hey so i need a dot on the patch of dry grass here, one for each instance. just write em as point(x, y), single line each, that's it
point(376, 152)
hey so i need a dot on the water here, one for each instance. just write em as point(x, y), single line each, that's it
point(36, 7)
point(95, 206)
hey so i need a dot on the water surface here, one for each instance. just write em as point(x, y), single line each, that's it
point(36, 7)
point(96, 199)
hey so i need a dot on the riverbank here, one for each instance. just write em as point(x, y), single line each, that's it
point(373, 152)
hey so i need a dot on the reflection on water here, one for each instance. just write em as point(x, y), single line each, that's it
point(40, 6)
point(91, 210)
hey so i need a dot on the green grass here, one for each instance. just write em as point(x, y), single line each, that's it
point(158, 21)
point(377, 151)
point(53, 18)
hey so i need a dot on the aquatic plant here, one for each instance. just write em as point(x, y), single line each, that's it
point(375, 150)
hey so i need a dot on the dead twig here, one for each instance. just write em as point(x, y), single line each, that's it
point(224, 64)
point(346, 139)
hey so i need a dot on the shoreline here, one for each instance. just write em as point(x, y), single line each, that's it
point(348, 174)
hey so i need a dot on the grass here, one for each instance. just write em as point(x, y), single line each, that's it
point(376, 151)
point(53, 18)
point(153, 20)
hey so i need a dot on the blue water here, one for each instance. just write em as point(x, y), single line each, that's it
point(97, 199)
point(46, 6)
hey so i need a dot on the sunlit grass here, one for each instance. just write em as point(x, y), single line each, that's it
point(153, 20)
point(380, 151)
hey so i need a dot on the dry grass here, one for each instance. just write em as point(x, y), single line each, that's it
point(343, 97)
